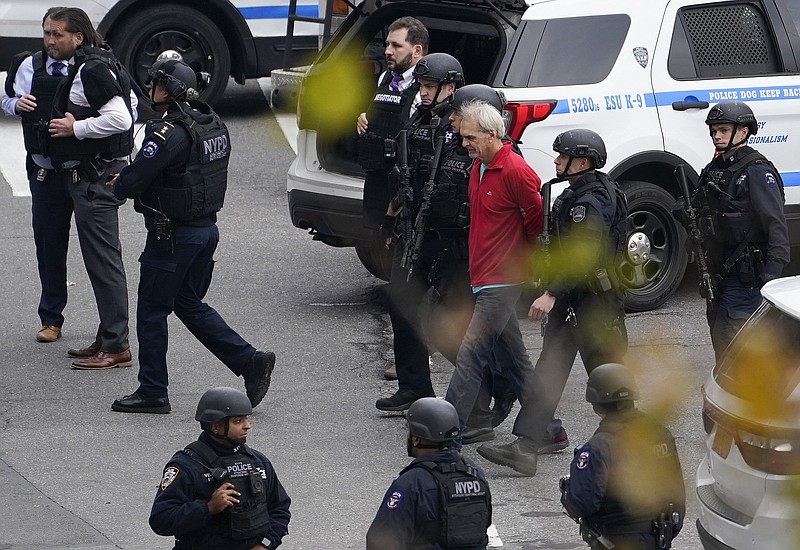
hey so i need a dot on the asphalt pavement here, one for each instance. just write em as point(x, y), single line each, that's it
point(77, 475)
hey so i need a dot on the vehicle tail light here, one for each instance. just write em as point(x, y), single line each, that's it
point(763, 449)
point(774, 455)
point(524, 113)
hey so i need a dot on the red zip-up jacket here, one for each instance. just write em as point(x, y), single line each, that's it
point(505, 219)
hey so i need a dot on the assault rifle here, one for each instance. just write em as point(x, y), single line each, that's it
point(706, 283)
point(589, 533)
point(406, 190)
point(421, 222)
point(543, 240)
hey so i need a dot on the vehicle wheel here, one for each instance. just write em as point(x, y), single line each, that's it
point(139, 39)
point(655, 256)
point(376, 259)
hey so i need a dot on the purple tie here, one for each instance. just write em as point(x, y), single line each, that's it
point(57, 68)
point(395, 83)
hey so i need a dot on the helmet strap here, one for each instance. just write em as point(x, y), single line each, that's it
point(410, 445)
point(435, 103)
point(731, 144)
point(565, 175)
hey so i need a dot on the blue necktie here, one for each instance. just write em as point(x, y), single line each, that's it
point(57, 68)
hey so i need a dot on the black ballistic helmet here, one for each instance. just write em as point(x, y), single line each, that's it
point(582, 143)
point(736, 112)
point(479, 92)
point(611, 383)
point(433, 419)
point(441, 67)
point(217, 404)
point(178, 78)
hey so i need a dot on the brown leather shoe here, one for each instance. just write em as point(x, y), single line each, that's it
point(82, 353)
point(103, 360)
point(391, 372)
point(48, 333)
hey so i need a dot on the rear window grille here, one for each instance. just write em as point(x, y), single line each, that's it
point(729, 40)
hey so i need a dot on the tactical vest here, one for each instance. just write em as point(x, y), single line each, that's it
point(197, 191)
point(463, 500)
point(387, 115)
point(450, 200)
point(43, 88)
point(727, 218)
point(618, 230)
point(110, 147)
point(651, 446)
point(250, 517)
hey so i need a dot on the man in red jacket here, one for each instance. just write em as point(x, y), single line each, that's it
point(505, 219)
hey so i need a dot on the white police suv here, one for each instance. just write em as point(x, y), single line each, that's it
point(641, 74)
point(238, 38)
point(747, 483)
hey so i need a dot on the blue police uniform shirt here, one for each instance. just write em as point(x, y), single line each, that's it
point(180, 507)
point(586, 225)
point(760, 183)
point(165, 148)
point(628, 471)
point(409, 516)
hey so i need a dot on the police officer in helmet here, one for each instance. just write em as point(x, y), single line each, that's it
point(218, 493)
point(178, 180)
point(439, 483)
point(479, 92)
point(739, 199)
point(625, 485)
point(413, 223)
point(581, 304)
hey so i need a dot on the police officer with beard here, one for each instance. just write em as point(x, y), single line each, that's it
point(393, 105)
point(740, 201)
point(440, 500)
point(625, 485)
point(178, 180)
point(419, 251)
point(77, 110)
point(218, 493)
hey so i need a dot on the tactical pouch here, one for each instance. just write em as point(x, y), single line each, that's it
point(162, 229)
point(40, 137)
point(371, 153)
point(746, 269)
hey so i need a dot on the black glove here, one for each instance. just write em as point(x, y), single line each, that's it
point(679, 212)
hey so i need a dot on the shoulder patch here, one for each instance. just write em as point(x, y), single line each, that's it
point(583, 460)
point(578, 214)
point(394, 500)
point(170, 474)
point(770, 177)
point(149, 149)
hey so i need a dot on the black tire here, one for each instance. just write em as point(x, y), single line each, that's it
point(138, 39)
point(376, 259)
point(655, 258)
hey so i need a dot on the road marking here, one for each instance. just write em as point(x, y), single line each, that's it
point(286, 121)
point(494, 537)
point(12, 153)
